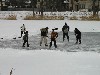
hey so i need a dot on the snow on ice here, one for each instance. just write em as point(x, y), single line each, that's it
point(67, 59)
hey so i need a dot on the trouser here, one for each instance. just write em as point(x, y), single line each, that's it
point(78, 38)
point(22, 32)
point(53, 40)
point(25, 41)
point(43, 38)
point(65, 34)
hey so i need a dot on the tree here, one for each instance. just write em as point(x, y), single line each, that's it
point(1, 4)
point(41, 5)
point(98, 7)
point(72, 5)
point(94, 9)
point(13, 2)
point(32, 3)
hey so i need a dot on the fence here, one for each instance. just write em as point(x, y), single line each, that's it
point(23, 14)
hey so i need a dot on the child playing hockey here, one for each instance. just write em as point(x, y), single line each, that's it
point(65, 30)
point(44, 32)
point(54, 35)
point(25, 38)
point(23, 29)
point(78, 35)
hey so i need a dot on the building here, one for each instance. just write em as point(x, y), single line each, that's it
point(76, 5)
point(52, 5)
point(3, 6)
point(68, 5)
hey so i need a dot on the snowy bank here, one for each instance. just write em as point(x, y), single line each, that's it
point(11, 29)
point(44, 62)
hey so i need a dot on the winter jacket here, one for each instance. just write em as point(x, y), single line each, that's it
point(65, 29)
point(23, 28)
point(25, 37)
point(54, 35)
point(77, 33)
point(44, 32)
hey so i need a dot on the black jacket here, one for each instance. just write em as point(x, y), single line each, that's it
point(65, 27)
point(25, 37)
point(44, 32)
point(77, 32)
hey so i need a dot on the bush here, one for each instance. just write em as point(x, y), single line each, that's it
point(39, 17)
point(84, 18)
point(11, 17)
point(73, 18)
point(94, 18)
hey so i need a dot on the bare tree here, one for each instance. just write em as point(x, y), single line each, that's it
point(72, 5)
point(95, 9)
point(1, 4)
point(41, 5)
point(32, 2)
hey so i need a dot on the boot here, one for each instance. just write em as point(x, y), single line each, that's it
point(23, 46)
point(76, 43)
point(68, 40)
point(56, 46)
point(80, 41)
point(28, 45)
point(46, 45)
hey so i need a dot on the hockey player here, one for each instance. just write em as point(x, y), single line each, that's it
point(54, 35)
point(25, 38)
point(23, 29)
point(44, 32)
point(78, 35)
point(65, 30)
point(11, 71)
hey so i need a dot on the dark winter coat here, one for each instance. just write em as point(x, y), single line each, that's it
point(25, 37)
point(65, 29)
point(44, 32)
point(77, 33)
point(54, 35)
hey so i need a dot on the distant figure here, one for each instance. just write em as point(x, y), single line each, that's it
point(11, 71)
point(23, 29)
point(44, 32)
point(54, 35)
point(65, 30)
point(25, 38)
point(78, 35)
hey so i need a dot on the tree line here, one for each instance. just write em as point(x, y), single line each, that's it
point(50, 5)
